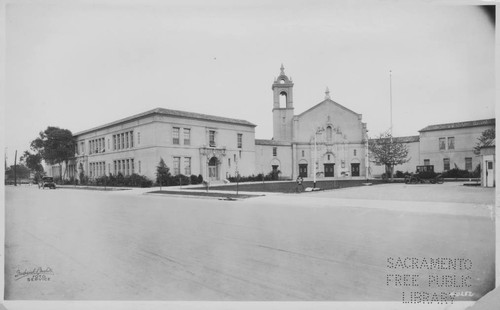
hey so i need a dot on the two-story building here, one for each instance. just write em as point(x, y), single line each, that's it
point(445, 146)
point(189, 143)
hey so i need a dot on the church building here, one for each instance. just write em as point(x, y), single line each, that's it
point(327, 140)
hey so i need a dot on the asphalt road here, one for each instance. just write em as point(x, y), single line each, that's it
point(331, 246)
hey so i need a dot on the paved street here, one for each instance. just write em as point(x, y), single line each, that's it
point(331, 245)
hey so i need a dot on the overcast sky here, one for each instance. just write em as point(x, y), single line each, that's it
point(82, 65)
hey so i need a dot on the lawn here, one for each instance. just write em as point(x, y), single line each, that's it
point(289, 187)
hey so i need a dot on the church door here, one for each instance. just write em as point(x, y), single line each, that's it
point(329, 170)
point(303, 170)
point(355, 170)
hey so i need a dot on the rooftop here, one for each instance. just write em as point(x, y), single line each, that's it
point(176, 113)
point(271, 142)
point(483, 122)
point(407, 139)
point(327, 100)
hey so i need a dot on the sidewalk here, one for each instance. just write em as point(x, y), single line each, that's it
point(185, 189)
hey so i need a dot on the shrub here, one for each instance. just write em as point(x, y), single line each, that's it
point(200, 179)
point(179, 179)
point(193, 179)
point(457, 173)
point(133, 180)
point(477, 172)
point(251, 178)
point(399, 174)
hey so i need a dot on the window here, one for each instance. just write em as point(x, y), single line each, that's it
point(175, 135)
point(187, 136)
point(275, 151)
point(446, 164)
point(240, 154)
point(427, 162)
point(354, 152)
point(328, 156)
point(302, 153)
point(177, 165)
point(122, 140)
point(240, 140)
point(139, 164)
point(139, 139)
point(451, 143)
point(132, 139)
point(109, 147)
point(468, 163)
point(211, 137)
point(114, 142)
point(229, 162)
point(187, 166)
point(126, 140)
point(329, 133)
point(442, 143)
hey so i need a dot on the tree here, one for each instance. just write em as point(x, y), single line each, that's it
point(385, 150)
point(162, 173)
point(21, 170)
point(34, 163)
point(55, 145)
point(485, 139)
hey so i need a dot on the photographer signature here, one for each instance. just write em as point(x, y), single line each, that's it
point(37, 271)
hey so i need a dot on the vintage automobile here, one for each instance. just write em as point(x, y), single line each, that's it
point(47, 182)
point(424, 174)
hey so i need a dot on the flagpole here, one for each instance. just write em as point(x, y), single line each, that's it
point(390, 97)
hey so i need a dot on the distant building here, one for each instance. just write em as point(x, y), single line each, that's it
point(487, 156)
point(445, 146)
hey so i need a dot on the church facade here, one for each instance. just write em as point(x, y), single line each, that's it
point(327, 140)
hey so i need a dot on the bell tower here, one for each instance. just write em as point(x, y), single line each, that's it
point(282, 107)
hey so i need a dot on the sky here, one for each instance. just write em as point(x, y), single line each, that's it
point(87, 63)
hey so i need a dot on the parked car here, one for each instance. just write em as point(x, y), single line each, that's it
point(424, 174)
point(47, 182)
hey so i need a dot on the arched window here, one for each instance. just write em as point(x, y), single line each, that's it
point(283, 99)
point(329, 134)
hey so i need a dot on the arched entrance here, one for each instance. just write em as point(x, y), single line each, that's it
point(303, 168)
point(213, 169)
point(355, 167)
point(329, 164)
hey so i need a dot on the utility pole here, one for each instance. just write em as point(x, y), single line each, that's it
point(15, 169)
point(318, 130)
point(390, 99)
